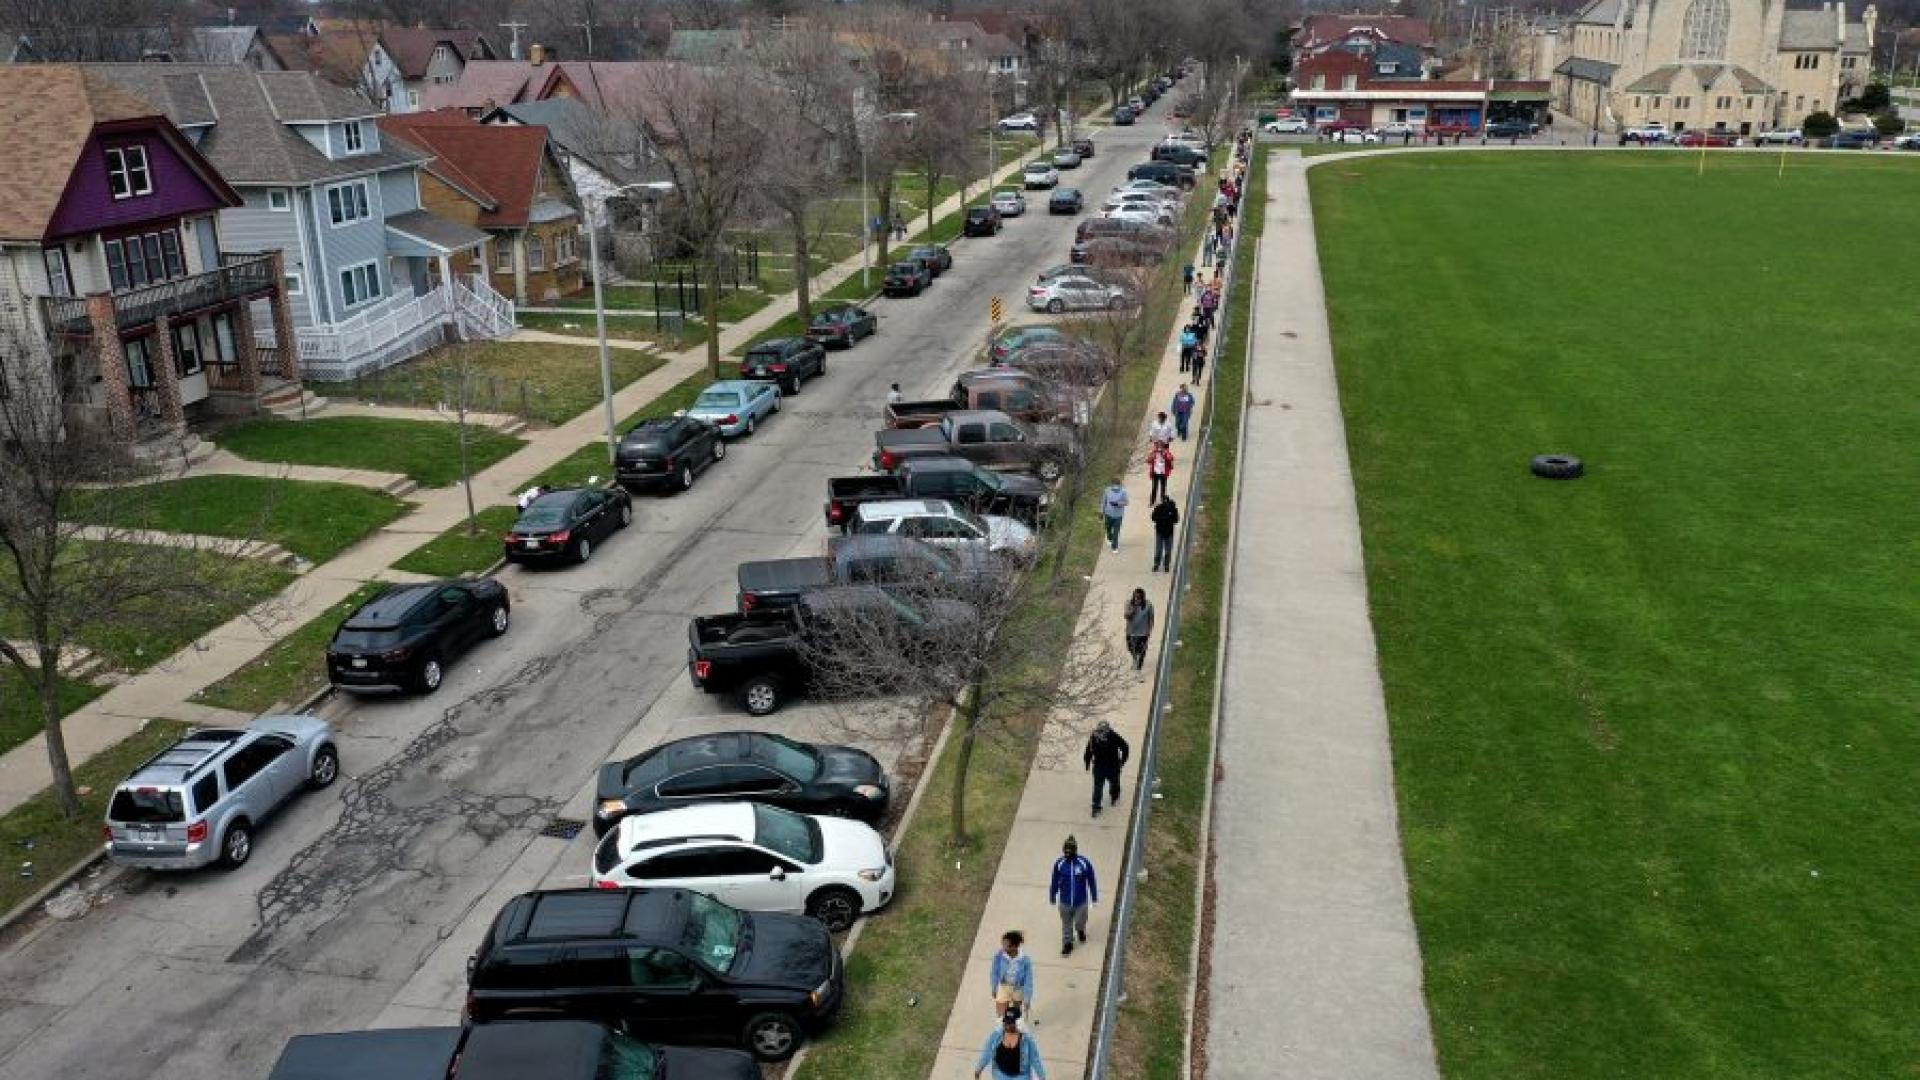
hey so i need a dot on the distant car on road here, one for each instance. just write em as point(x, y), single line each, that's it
point(736, 406)
point(403, 637)
point(666, 452)
point(1021, 121)
point(1854, 139)
point(1083, 146)
point(1780, 137)
point(1399, 130)
point(563, 525)
point(1907, 142)
point(1039, 174)
point(1066, 159)
point(1290, 126)
point(1706, 137)
point(1152, 213)
point(981, 221)
point(199, 800)
point(787, 361)
point(842, 325)
point(936, 257)
point(1009, 202)
point(1652, 131)
point(731, 766)
point(1355, 135)
point(1114, 251)
point(906, 279)
point(1074, 294)
point(1065, 200)
point(1510, 129)
point(1123, 116)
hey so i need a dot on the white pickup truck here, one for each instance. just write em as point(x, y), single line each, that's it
point(1651, 131)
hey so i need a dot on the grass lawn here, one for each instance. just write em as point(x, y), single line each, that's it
point(539, 380)
point(458, 551)
point(426, 450)
point(1653, 729)
point(59, 844)
point(313, 520)
point(20, 708)
point(292, 669)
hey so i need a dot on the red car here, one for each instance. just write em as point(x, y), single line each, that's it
point(1443, 131)
point(1699, 137)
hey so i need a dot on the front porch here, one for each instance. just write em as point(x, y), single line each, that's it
point(398, 328)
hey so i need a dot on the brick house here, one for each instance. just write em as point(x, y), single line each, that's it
point(111, 252)
point(1369, 79)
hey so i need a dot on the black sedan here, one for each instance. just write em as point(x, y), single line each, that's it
point(981, 221)
point(842, 325)
point(1065, 200)
point(936, 257)
point(664, 453)
point(804, 777)
point(403, 638)
point(563, 525)
point(1083, 147)
point(906, 279)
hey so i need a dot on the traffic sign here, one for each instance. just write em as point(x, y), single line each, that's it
point(993, 309)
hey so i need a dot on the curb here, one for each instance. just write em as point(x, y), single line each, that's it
point(25, 907)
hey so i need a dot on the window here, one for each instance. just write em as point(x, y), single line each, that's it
point(659, 969)
point(1349, 82)
point(136, 261)
point(1848, 62)
point(59, 278)
point(127, 173)
point(1683, 103)
point(1319, 82)
point(413, 100)
point(1703, 34)
point(696, 863)
point(1389, 67)
point(225, 352)
point(139, 363)
point(292, 285)
point(440, 54)
point(277, 200)
point(502, 256)
point(1723, 103)
point(186, 350)
point(353, 137)
point(206, 792)
point(359, 284)
point(536, 253)
point(243, 766)
point(347, 203)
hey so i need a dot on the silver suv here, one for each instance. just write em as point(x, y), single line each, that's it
point(200, 799)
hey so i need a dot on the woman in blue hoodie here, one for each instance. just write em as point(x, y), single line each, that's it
point(1010, 1053)
point(1011, 978)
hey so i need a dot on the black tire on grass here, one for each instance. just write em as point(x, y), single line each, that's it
point(1557, 467)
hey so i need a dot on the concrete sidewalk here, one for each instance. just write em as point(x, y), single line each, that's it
point(1315, 964)
point(166, 689)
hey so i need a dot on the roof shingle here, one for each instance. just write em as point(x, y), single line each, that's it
point(57, 107)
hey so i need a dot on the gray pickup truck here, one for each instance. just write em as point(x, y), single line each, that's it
point(984, 437)
point(896, 563)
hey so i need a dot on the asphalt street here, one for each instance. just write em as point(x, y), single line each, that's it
point(362, 903)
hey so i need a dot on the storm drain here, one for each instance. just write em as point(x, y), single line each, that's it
point(563, 828)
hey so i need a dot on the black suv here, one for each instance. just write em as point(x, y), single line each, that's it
point(1083, 147)
point(665, 451)
point(788, 361)
point(981, 221)
point(658, 963)
point(1178, 154)
point(403, 638)
point(1166, 172)
point(551, 1050)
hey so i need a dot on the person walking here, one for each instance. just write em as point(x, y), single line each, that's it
point(1188, 339)
point(1113, 507)
point(1072, 891)
point(1139, 614)
point(899, 227)
point(1166, 517)
point(894, 396)
point(1106, 754)
point(1186, 278)
point(1160, 432)
point(1011, 976)
point(1159, 468)
point(1199, 365)
point(1010, 1053)
point(1182, 410)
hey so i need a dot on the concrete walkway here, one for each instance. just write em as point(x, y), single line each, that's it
point(1315, 965)
point(167, 689)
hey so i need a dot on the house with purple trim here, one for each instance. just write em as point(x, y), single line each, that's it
point(111, 256)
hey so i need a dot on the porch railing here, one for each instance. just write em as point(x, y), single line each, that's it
point(239, 277)
point(395, 329)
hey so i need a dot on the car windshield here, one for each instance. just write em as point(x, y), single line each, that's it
point(789, 834)
point(790, 757)
point(765, 352)
point(971, 518)
point(990, 479)
point(349, 638)
point(541, 515)
point(719, 399)
point(623, 1058)
point(715, 932)
point(147, 806)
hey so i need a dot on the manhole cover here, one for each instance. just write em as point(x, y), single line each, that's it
point(561, 828)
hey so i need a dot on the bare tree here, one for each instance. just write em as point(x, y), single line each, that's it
point(809, 94)
point(63, 581)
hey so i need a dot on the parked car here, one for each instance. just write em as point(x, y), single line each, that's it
point(1019, 394)
point(1083, 146)
point(786, 361)
point(1854, 139)
point(764, 656)
point(843, 325)
point(1075, 294)
point(1137, 104)
point(658, 963)
point(403, 637)
point(1066, 159)
point(944, 525)
point(753, 857)
point(1020, 121)
point(1123, 116)
point(981, 221)
point(734, 765)
point(1510, 129)
point(1165, 172)
point(199, 800)
point(1180, 153)
point(936, 257)
point(1151, 189)
point(563, 525)
point(984, 436)
point(1779, 137)
point(906, 279)
point(1651, 131)
point(1399, 130)
point(1065, 200)
point(1706, 137)
point(955, 479)
point(1013, 338)
point(1152, 213)
point(564, 1049)
point(1907, 142)
point(1146, 233)
point(736, 406)
point(901, 565)
point(1009, 202)
point(1039, 174)
point(665, 453)
point(1291, 126)
point(1114, 251)
point(1355, 135)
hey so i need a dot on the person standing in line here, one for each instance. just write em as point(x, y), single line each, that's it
point(1139, 613)
point(894, 396)
point(1072, 891)
point(1011, 977)
point(1188, 339)
point(1199, 365)
point(1010, 1052)
point(1106, 754)
point(1182, 410)
point(1186, 277)
point(1113, 507)
point(1159, 468)
point(1166, 517)
point(1160, 433)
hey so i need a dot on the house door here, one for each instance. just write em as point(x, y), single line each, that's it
point(190, 362)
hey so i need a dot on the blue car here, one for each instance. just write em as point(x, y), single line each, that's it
point(736, 406)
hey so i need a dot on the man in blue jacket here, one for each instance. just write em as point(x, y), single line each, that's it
point(1073, 891)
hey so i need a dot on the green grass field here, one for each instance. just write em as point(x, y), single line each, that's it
point(538, 380)
point(426, 450)
point(313, 520)
point(1653, 729)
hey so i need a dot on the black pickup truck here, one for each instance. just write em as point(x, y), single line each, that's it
point(984, 437)
point(767, 656)
point(954, 479)
point(899, 564)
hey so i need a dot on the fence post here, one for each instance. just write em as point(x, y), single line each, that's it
point(658, 321)
point(525, 412)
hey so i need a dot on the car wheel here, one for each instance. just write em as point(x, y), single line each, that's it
point(719, 449)
point(772, 1036)
point(1113, 303)
point(776, 403)
point(791, 386)
point(497, 620)
point(1055, 307)
point(686, 478)
point(1049, 471)
point(835, 907)
point(326, 768)
point(748, 430)
point(761, 695)
point(583, 551)
point(626, 514)
point(430, 675)
point(236, 847)
point(1557, 467)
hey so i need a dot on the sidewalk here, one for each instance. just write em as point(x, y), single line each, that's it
point(1315, 964)
point(166, 689)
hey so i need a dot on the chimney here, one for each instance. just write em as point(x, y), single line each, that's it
point(536, 54)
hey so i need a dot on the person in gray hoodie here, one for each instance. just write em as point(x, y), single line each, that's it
point(1139, 627)
point(1113, 507)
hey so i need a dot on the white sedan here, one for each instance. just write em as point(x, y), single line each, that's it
point(753, 857)
point(1075, 293)
point(1290, 126)
point(1152, 214)
point(1355, 135)
point(1787, 136)
point(1040, 174)
point(1023, 121)
point(1009, 202)
point(1398, 131)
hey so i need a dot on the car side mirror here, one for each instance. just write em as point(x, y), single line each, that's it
point(778, 874)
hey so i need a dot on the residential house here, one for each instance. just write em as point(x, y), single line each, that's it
point(507, 180)
point(112, 251)
point(1319, 31)
point(407, 60)
point(599, 157)
point(368, 271)
point(1368, 79)
point(145, 44)
point(488, 84)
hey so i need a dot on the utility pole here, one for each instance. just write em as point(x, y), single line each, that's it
point(588, 27)
point(513, 50)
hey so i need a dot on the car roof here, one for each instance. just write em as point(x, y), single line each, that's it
point(550, 1049)
point(937, 463)
point(566, 914)
point(731, 821)
point(384, 1054)
point(653, 425)
point(899, 508)
point(386, 610)
point(781, 343)
point(733, 386)
point(179, 762)
point(694, 751)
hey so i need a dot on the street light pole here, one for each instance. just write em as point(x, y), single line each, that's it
point(866, 224)
point(600, 309)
